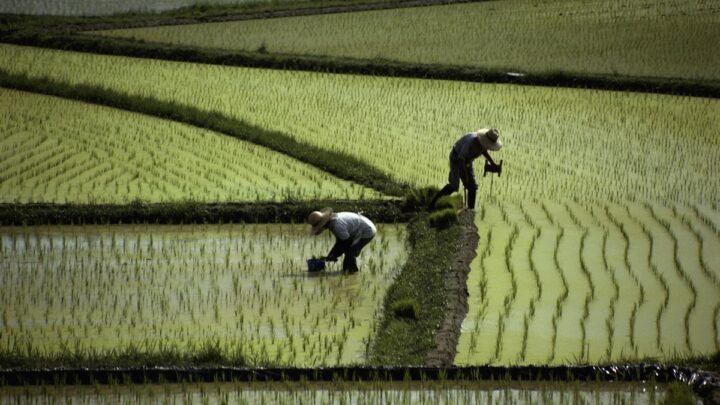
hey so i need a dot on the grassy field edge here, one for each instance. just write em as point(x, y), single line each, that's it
point(407, 339)
point(338, 164)
point(384, 211)
point(376, 67)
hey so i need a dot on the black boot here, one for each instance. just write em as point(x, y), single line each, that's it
point(350, 264)
point(447, 190)
point(471, 198)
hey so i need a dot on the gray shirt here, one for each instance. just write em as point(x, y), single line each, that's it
point(351, 225)
point(466, 149)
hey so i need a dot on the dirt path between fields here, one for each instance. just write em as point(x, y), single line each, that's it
point(456, 306)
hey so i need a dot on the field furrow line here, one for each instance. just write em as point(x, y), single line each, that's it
point(710, 240)
point(689, 260)
point(540, 326)
point(647, 271)
point(615, 220)
point(682, 296)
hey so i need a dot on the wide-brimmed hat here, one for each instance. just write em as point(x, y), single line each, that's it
point(489, 138)
point(318, 220)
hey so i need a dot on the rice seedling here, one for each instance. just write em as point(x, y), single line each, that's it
point(174, 288)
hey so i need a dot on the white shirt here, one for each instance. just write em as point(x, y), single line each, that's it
point(351, 225)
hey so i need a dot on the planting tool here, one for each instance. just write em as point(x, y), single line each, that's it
point(491, 168)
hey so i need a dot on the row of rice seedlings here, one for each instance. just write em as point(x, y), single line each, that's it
point(518, 36)
point(663, 283)
point(482, 283)
point(423, 118)
point(689, 245)
point(369, 392)
point(716, 325)
point(610, 320)
point(584, 354)
point(55, 150)
point(487, 269)
point(702, 242)
point(245, 285)
point(682, 273)
point(559, 302)
point(621, 227)
point(630, 286)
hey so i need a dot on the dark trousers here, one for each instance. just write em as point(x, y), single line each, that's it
point(459, 173)
point(351, 254)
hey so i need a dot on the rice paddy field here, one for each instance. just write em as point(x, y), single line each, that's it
point(54, 150)
point(559, 283)
point(570, 147)
point(565, 143)
point(671, 39)
point(94, 290)
point(356, 393)
point(600, 242)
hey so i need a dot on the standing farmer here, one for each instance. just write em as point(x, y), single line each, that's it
point(465, 150)
point(352, 232)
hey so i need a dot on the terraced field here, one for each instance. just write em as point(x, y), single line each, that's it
point(558, 283)
point(241, 290)
point(60, 151)
point(598, 244)
point(568, 143)
point(609, 37)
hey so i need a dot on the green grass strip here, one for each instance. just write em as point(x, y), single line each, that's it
point(339, 164)
point(209, 353)
point(404, 340)
point(384, 211)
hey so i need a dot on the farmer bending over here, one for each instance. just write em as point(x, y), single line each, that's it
point(465, 150)
point(352, 232)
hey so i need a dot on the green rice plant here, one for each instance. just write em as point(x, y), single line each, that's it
point(406, 308)
point(701, 237)
point(444, 218)
point(510, 267)
point(533, 266)
point(679, 393)
point(716, 326)
point(597, 37)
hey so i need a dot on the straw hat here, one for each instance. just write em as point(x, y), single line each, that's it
point(318, 220)
point(489, 138)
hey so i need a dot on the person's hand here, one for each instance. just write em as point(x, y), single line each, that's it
point(331, 259)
